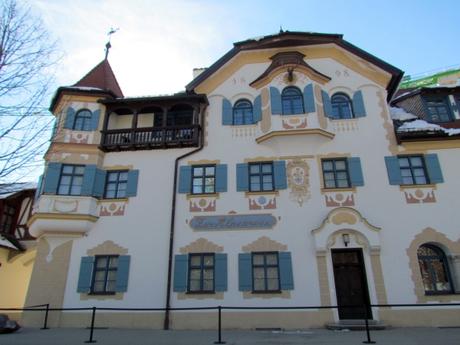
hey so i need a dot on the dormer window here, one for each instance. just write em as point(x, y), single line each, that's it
point(83, 120)
point(292, 101)
point(341, 106)
point(438, 109)
point(242, 113)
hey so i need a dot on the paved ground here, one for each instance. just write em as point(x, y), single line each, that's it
point(67, 336)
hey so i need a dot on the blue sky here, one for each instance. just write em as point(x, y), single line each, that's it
point(160, 42)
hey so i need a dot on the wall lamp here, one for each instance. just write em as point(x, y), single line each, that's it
point(346, 239)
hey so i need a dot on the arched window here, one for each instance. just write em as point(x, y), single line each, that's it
point(83, 120)
point(242, 113)
point(292, 101)
point(341, 106)
point(434, 269)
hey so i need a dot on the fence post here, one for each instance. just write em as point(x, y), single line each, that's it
point(91, 340)
point(45, 323)
point(368, 333)
point(219, 341)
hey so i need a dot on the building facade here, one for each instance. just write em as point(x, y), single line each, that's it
point(276, 179)
point(17, 246)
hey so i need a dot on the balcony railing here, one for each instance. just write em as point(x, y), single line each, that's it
point(150, 138)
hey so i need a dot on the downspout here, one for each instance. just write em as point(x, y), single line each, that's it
point(173, 217)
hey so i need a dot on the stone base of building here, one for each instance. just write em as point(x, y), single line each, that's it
point(288, 320)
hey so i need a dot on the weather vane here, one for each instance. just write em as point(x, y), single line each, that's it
point(108, 45)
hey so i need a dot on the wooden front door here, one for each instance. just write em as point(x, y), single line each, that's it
point(351, 284)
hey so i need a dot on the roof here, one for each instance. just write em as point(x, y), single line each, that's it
point(10, 189)
point(175, 97)
point(101, 77)
point(289, 39)
point(407, 93)
point(100, 81)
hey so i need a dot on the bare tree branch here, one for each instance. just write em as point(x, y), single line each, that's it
point(27, 57)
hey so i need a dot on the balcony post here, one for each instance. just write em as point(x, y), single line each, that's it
point(105, 126)
point(134, 127)
point(164, 124)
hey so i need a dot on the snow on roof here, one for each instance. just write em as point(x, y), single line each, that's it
point(6, 243)
point(423, 126)
point(85, 88)
point(9, 189)
point(400, 114)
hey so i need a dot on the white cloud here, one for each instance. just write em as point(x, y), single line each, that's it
point(156, 48)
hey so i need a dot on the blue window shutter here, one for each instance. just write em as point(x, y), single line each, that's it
point(433, 168)
point(227, 112)
point(70, 118)
point(38, 191)
point(121, 285)
point(257, 110)
point(86, 274)
point(242, 177)
point(327, 104)
point(89, 177)
point(279, 169)
point(95, 119)
point(185, 179)
point(309, 99)
point(275, 100)
point(245, 271)
point(51, 179)
point(99, 183)
point(180, 273)
point(393, 170)
point(220, 269)
point(221, 178)
point(356, 173)
point(131, 188)
point(358, 104)
point(286, 276)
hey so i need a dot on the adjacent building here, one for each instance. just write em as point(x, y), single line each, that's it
point(279, 177)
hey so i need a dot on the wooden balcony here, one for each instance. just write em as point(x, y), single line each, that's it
point(150, 138)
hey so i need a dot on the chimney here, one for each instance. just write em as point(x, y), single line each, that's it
point(198, 71)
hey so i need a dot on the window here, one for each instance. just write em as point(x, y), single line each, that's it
point(105, 274)
point(438, 109)
point(412, 170)
point(341, 106)
point(292, 101)
point(335, 173)
point(71, 180)
point(116, 184)
point(261, 177)
point(434, 270)
point(7, 218)
point(201, 273)
point(242, 113)
point(83, 120)
point(203, 179)
point(265, 272)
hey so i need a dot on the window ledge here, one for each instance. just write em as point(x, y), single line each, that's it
point(200, 293)
point(338, 120)
point(102, 293)
point(267, 292)
point(253, 125)
point(272, 192)
point(437, 294)
point(205, 195)
point(114, 200)
point(411, 186)
point(349, 189)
